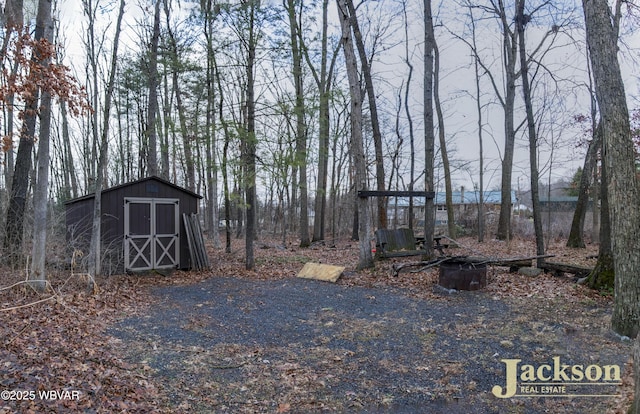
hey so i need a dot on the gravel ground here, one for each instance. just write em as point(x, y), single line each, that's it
point(295, 345)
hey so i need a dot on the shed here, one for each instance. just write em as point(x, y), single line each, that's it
point(141, 226)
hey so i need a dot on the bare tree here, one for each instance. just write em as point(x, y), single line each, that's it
point(521, 21)
point(300, 127)
point(323, 81)
point(249, 139)
point(373, 109)
point(576, 234)
point(96, 235)
point(356, 146)
point(412, 146)
point(37, 275)
point(210, 12)
point(175, 67)
point(225, 157)
point(14, 227)
point(602, 277)
point(14, 22)
point(429, 135)
point(476, 67)
point(506, 93)
point(446, 166)
point(623, 189)
point(152, 110)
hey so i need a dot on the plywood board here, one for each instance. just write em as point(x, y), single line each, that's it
point(320, 271)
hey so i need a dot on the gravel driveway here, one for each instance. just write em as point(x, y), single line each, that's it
point(238, 345)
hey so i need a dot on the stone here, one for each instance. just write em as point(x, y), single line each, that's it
point(530, 271)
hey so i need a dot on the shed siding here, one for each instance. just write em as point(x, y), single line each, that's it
point(79, 215)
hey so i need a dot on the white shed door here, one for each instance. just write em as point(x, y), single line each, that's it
point(151, 233)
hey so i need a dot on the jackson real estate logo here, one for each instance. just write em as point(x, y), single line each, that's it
point(557, 380)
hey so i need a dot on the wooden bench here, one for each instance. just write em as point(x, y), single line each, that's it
point(402, 242)
point(396, 243)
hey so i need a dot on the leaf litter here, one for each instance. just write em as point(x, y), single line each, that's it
point(374, 343)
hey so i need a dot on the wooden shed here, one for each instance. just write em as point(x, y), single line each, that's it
point(142, 226)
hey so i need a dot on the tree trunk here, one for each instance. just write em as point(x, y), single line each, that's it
point(576, 234)
point(373, 109)
point(324, 87)
point(70, 179)
point(412, 141)
point(166, 131)
point(510, 46)
point(224, 166)
point(211, 165)
point(14, 22)
point(481, 221)
point(189, 164)
point(533, 139)
point(249, 144)
point(152, 110)
point(635, 407)
point(451, 223)
point(622, 185)
point(37, 275)
point(300, 131)
point(90, 10)
point(429, 136)
point(14, 226)
point(595, 214)
point(603, 275)
point(95, 255)
point(357, 147)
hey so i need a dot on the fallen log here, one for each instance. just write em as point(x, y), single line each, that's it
point(423, 265)
point(558, 268)
point(512, 263)
point(516, 263)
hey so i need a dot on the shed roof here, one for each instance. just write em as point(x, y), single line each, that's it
point(151, 178)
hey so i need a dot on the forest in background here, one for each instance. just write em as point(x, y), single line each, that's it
point(173, 101)
point(279, 113)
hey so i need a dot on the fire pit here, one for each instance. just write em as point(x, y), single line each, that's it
point(463, 275)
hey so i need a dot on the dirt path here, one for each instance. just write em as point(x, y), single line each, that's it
point(292, 345)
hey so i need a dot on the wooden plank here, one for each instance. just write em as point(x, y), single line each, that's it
point(318, 271)
point(187, 228)
point(200, 247)
point(193, 221)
